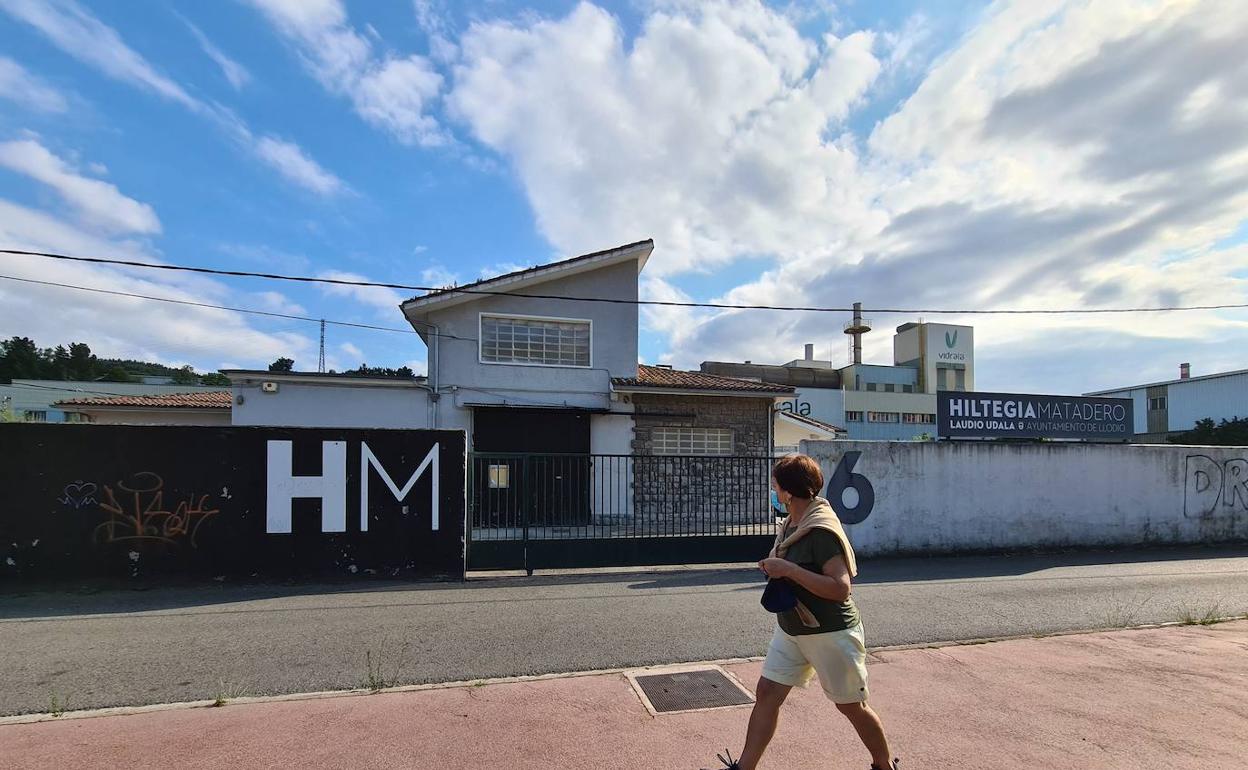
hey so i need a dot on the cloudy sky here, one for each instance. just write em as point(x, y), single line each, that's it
point(940, 155)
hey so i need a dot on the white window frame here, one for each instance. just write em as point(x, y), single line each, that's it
point(691, 430)
point(871, 417)
point(519, 317)
point(35, 415)
point(1157, 403)
point(854, 415)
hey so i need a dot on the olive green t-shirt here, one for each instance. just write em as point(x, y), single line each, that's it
point(812, 552)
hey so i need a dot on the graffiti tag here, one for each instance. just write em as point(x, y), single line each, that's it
point(78, 495)
point(137, 512)
point(1209, 484)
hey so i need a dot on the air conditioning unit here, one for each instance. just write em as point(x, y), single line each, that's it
point(269, 387)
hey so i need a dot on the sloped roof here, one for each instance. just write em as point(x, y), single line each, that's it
point(215, 399)
point(662, 378)
point(811, 421)
point(519, 279)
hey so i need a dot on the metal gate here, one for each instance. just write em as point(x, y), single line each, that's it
point(535, 511)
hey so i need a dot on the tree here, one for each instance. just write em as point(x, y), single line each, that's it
point(215, 378)
point(282, 364)
point(1232, 432)
point(117, 374)
point(82, 362)
point(185, 376)
point(364, 370)
point(20, 359)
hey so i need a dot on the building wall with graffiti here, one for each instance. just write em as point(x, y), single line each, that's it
point(133, 501)
point(934, 497)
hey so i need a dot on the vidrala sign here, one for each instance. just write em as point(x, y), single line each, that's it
point(1013, 415)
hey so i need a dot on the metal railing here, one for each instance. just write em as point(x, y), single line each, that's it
point(579, 496)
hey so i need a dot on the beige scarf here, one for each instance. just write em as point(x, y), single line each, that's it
point(819, 515)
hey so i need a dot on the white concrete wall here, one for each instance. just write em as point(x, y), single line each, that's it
point(612, 434)
point(332, 406)
point(158, 416)
point(948, 497)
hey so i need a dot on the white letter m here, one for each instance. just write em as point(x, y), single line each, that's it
point(367, 458)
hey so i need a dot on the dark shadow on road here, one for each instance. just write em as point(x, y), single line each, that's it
point(67, 600)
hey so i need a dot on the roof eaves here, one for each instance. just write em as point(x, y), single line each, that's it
point(463, 293)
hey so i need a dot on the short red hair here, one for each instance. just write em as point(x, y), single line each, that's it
point(798, 475)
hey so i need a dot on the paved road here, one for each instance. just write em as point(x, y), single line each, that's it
point(173, 644)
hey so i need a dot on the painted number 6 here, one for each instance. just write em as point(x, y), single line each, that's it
point(844, 478)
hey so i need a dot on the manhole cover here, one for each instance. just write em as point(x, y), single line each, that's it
point(690, 690)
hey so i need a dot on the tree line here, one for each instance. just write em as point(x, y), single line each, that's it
point(22, 359)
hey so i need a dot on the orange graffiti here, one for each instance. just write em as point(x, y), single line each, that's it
point(147, 519)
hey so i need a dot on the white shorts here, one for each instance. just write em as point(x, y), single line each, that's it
point(839, 657)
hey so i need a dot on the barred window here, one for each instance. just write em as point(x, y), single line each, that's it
point(883, 417)
point(851, 416)
point(36, 415)
point(692, 441)
point(534, 341)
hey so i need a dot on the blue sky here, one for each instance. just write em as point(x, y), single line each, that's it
point(950, 155)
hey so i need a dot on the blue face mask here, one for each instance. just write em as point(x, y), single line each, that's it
point(776, 506)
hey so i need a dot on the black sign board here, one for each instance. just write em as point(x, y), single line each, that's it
point(1019, 415)
point(128, 500)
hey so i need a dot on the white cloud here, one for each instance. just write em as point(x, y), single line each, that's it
point(438, 275)
point(291, 162)
point(114, 325)
point(351, 350)
point(98, 202)
point(386, 301)
point(79, 34)
point(392, 93)
point(1059, 155)
point(235, 73)
point(277, 302)
point(20, 86)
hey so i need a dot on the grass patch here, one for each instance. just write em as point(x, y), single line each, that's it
point(1208, 617)
point(226, 692)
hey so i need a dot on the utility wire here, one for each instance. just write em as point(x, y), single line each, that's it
point(252, 311)
point(617, 301)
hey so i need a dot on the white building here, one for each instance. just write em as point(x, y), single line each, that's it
point(872, 401)
point(1164, 409)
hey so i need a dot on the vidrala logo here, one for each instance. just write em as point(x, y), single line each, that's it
point(951, 342)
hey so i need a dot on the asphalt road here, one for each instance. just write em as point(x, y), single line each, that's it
point(125, 647)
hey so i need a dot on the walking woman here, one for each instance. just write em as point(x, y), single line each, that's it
point(819, 631)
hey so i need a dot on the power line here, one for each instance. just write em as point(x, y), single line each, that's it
point(101, 392)
point(251, 311)
point(617, 301)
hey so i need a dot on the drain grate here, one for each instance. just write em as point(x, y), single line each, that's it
point(690, 690)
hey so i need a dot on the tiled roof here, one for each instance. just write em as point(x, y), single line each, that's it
point(811, 421)
point(213, 399)
point(662, 378)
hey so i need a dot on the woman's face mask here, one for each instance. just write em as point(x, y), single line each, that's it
point(777, 506)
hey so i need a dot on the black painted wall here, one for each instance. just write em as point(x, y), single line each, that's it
point(118, 500)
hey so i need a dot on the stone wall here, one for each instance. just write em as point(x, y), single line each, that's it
point(710, 495)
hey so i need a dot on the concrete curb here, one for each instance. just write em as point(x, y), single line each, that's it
point(26, 719)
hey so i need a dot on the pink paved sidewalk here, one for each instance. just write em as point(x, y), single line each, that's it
point(1168, 698)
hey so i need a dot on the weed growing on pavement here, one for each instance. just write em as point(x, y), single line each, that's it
point(1210, 616)
point(226, 692)
point(1124, 613)
point(378, 675)
point(57, 704)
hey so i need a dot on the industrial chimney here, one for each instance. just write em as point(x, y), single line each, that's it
point(810, 351)
point(1185, 371)
point(855, 329)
